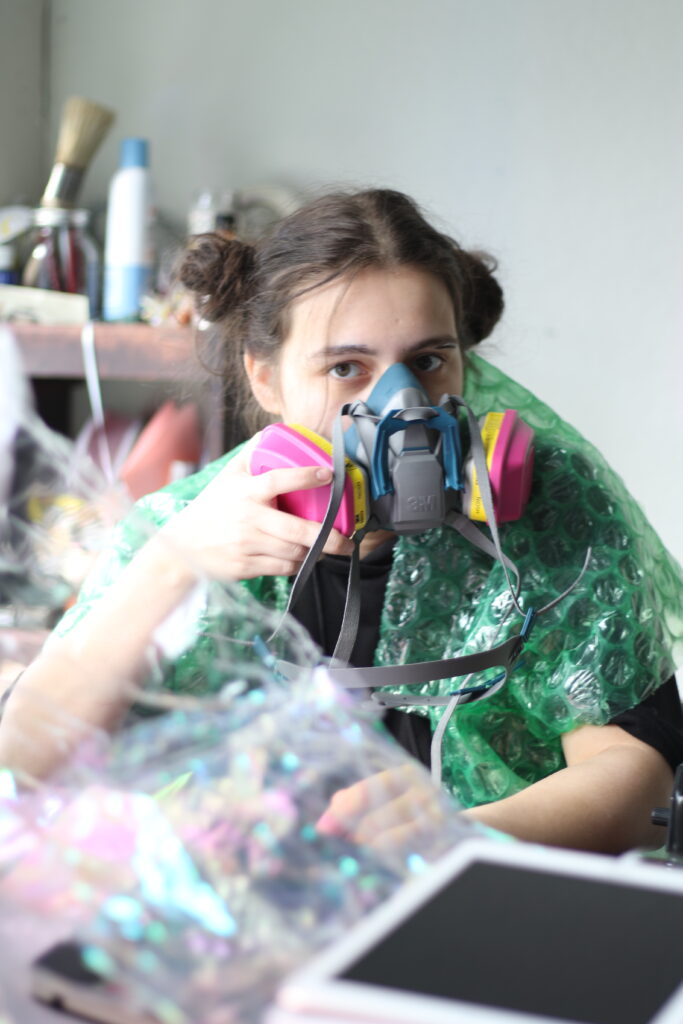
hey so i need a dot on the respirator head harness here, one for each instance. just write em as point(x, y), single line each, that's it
point(406, 465)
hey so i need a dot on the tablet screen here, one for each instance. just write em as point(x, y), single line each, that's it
point(539, 943)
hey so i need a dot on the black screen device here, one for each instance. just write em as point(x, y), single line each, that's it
point(502, 933)
point(61, 979)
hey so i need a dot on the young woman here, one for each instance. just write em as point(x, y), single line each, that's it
point(580, 744)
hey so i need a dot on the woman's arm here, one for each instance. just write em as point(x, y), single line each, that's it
point(601, 801)
point(230, 531)
point(83, 679)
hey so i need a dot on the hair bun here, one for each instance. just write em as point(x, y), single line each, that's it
point(483, 296)
point(220, 272)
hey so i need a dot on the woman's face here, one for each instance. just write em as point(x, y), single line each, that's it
point(345, 334)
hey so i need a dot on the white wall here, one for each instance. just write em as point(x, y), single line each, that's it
point(548, 131)
point(21, 90)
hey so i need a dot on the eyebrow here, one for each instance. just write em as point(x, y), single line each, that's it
point(336, 351)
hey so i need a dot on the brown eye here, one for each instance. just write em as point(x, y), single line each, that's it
point(344, 371)
point(428, 362)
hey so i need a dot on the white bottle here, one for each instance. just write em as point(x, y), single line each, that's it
point(128, 256)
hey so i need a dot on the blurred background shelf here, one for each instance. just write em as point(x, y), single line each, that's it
point(124, 351)
point(160, 359)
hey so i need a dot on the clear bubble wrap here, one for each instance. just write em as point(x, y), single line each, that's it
point(599, 652)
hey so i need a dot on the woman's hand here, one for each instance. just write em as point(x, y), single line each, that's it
point(233, 529)
point(386, 810)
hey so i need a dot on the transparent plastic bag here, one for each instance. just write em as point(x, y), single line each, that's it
point(57, 513)
point(201, 853)
point(210, 842)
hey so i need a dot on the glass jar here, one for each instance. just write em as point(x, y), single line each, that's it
point(64, 257)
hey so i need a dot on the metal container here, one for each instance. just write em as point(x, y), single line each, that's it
point(64, 257)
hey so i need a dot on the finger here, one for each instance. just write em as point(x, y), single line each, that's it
point(269, 541)
point(328, 825)
point(255, 552)
point(269, 485)
point(416, 807)
point(287, 527)
point(265, 546)
point(396, 780)
point(344, 810)
point(265, 565)
point(264, 489)
point(349, 804)
point(396, 839)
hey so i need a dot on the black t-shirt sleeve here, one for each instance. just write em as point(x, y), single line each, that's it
point(657, 721)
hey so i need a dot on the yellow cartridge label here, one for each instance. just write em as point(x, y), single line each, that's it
point(354, 472)
point(490, 430)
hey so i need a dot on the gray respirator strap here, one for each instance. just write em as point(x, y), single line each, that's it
point(351, 617)
point(413, 674)
point(351, 614)
point(479, 459)
point(502, 656)
point(471, 533)
point(459, 521)
point(365, 423)
point(315, 550)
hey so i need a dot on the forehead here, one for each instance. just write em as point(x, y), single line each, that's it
point(403, 304)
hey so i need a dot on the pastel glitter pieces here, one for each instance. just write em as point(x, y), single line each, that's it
point(188, 852)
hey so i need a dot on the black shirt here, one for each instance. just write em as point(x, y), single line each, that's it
point(657, 720)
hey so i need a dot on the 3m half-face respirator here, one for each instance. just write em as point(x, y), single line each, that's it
point(406, 465)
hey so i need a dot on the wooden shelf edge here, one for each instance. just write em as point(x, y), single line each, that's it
point(124, 351)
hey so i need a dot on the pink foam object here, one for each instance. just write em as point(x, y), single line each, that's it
point(281, 447)
point(512, 467)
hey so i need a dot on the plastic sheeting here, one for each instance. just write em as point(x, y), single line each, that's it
point(612, 641)
point(188, 852)
point(211, 843)
point(56, 512)
point(600, 651)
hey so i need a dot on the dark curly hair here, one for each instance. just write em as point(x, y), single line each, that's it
point(247, 290)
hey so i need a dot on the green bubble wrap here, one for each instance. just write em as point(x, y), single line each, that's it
point(604, 648)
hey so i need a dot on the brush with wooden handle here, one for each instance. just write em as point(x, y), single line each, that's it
point(83, 126)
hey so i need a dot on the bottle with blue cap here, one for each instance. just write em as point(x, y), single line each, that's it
point(128, 256)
